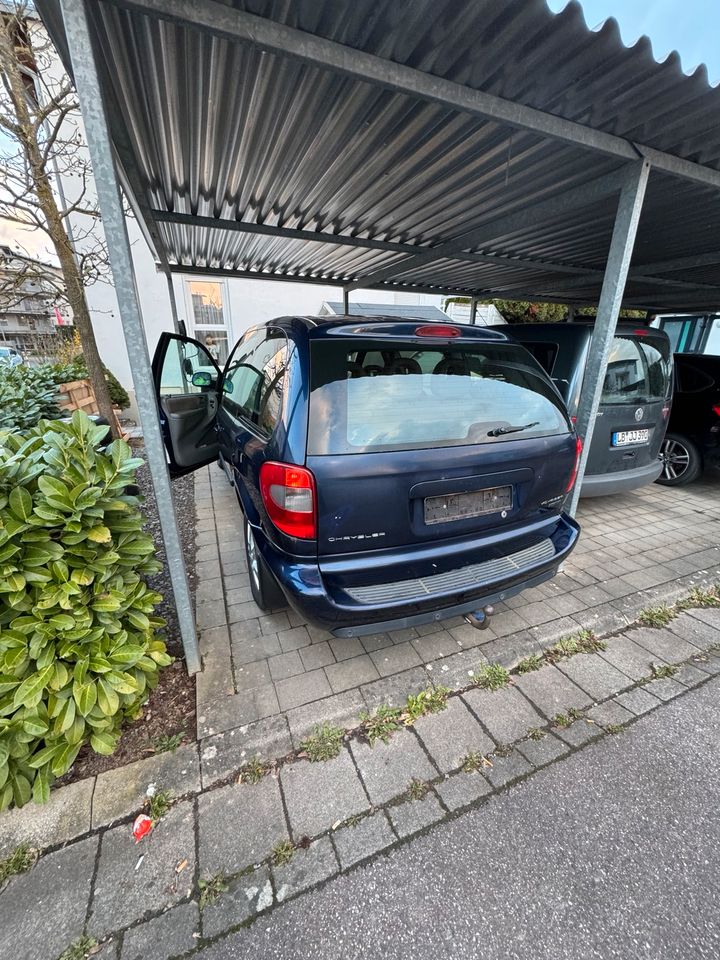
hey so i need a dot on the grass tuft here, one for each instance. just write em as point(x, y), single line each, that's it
point(491, 676)
point(417, 789)
point(663, 671)
point(614, 728)
point(535, 733)
point(382, 724)
point(168, 743)
point(324, 743)
point(473, 762)
point(561, 720)
point(584, 641)
point(79, 949)
point(528, 664)
point(211, 889)
point(431, 700)
point(700, 598)
point(282, 852)
point(158, 805)
point(575, 714)
point(19, 861)
point(657, 616)
point(253, 771)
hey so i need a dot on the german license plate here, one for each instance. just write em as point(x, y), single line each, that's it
point(461, 506)
point(625, 438)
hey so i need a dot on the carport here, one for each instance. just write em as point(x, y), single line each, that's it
point(464, 147)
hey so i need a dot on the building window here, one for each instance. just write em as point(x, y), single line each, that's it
point(209, 317)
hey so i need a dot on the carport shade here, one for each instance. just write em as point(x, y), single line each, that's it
point(464, 146)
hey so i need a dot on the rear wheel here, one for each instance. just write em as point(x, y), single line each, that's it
point(681, 461)
point(266, 593)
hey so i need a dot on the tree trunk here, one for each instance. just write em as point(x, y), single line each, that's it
point(27, 134)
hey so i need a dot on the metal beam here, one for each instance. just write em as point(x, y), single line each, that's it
point(473, 310)
point(85, 71)
point(592, 277)
point(219, 19)
point(346, 302)
point(616, 271)
point(173, 303)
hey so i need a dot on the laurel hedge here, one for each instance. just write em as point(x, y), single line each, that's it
point(79, 647)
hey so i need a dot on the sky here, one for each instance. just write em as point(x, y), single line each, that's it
point(692, 27)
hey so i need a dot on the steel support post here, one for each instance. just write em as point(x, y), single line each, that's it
point(346, 302)
point(173, 304)
point(627, 218)
point(473, 310)
point(85, 75)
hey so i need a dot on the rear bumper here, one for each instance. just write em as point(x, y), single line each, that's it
point(349, 611)
point(604, 484)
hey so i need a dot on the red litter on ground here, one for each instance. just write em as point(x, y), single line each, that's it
point(142, 826)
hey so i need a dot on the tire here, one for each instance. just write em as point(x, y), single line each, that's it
point(265, 590)
point(681, 460)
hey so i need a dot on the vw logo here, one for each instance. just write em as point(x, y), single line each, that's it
point(639, 414)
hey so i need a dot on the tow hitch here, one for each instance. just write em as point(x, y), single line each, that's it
point(480, 619)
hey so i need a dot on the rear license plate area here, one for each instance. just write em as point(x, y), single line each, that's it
point(629, 438)
point(463, 506)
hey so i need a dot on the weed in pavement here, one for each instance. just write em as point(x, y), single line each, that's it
point(663, 671)
point(528, 664)
point(282, 852)
point(19, 861)
point(253, 771)
point(535, 733)
point(417, 789)
point(491, 676)
point(657, 616)
point(382, 724)
point(473, 762)
point(158, 805)
point(79, 949)
point(324, 743)
point(211, 889)
point(168, 743)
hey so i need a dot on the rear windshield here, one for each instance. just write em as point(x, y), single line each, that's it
point(638, 371)
point(377, 397)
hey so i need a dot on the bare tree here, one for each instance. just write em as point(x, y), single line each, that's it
point(42, 144)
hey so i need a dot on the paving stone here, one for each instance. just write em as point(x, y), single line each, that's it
point(449, 736)
point(376, 641)
point(663, 644)
point(551, 691)
point(388, 768)
point(543, 751)
point(467, 636)
point(346, 648)
point(239, 825)
point(316, 655)
point(401, 656)
point(689, 675)
point(65, 816)
point(236, 711)
point(224, 754)
point(358, 842)
point(505, 713)
point(317, 795)
point(210, 614)
point(707, 662)
point(43, 911)
point(286, 665)
point(462, 789)
point(246, 895)
point(302, 689)
point(578, 733)
point(638, 701)
point(216, 678)
point(125, 891)
point(596, 676)
point(629, 657)
point(341, 710)
point(695, 630)
point(432, 646)
point(253, 650)
point(275, 623)
point(506, 769)
point(350, 673)
point(414, 815)
point(292, 639)
point(166, 936)
point(610, 713)
point(240, 612)
point(665, 689)
point(209, 589)
point(122, 791)
point(238, 595)
point(395, 690)
point(252, 675)
point(307, 868)
point(708, 615)
point(206, 569)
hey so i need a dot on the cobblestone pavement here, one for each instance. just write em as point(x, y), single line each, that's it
point(636, 550)
point(303, 822)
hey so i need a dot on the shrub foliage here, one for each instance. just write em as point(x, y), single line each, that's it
point(79, 651)
point(27, 395)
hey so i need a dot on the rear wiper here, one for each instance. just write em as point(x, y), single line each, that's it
point(501, 431)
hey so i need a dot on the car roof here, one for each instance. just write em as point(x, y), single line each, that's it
point(390, 326)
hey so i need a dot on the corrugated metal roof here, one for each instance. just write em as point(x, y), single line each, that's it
point(212, 127)
point(412, 311)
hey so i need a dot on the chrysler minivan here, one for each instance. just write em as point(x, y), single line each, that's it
point(390, 472)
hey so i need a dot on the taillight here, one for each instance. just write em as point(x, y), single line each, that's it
point(666, 411)
point(573, 475)
point(716, 409)
point(441, 330)
point(288, 493)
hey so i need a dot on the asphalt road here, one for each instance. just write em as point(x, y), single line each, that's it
point(614, 852)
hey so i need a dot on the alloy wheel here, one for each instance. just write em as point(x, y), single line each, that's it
point(675, 459)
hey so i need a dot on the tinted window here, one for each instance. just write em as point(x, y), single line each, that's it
point(692, 380)
point(544, 353)
point(380, 397)
point(183, 359)
point(254, 379)
point(638, 371)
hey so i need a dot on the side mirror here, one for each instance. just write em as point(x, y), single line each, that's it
point(228, 386)
point(202, 379)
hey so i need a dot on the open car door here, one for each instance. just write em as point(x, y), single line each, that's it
point(186, 386)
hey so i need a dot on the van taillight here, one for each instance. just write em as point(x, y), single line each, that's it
point(288, 493)
point(716, 409)
point(573, 475)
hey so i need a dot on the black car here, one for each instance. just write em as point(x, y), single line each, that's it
point(635, 401)
point(693, 438)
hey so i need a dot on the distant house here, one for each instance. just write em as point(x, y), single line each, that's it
point(28, 293)
point(409, 310)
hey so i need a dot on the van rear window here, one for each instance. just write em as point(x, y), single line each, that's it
point(378, 396)
point(638, 371)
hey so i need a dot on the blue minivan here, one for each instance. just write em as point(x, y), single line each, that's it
point(390, 472)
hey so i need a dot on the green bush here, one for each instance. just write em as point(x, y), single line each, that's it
point(27, 395)
point(79, 651)
point(77, 370)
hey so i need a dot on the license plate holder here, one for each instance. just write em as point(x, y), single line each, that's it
point(630, 438)
point(463, 506)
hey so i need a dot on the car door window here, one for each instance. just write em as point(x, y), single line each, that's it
point(254, 380)
point(183, 361)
